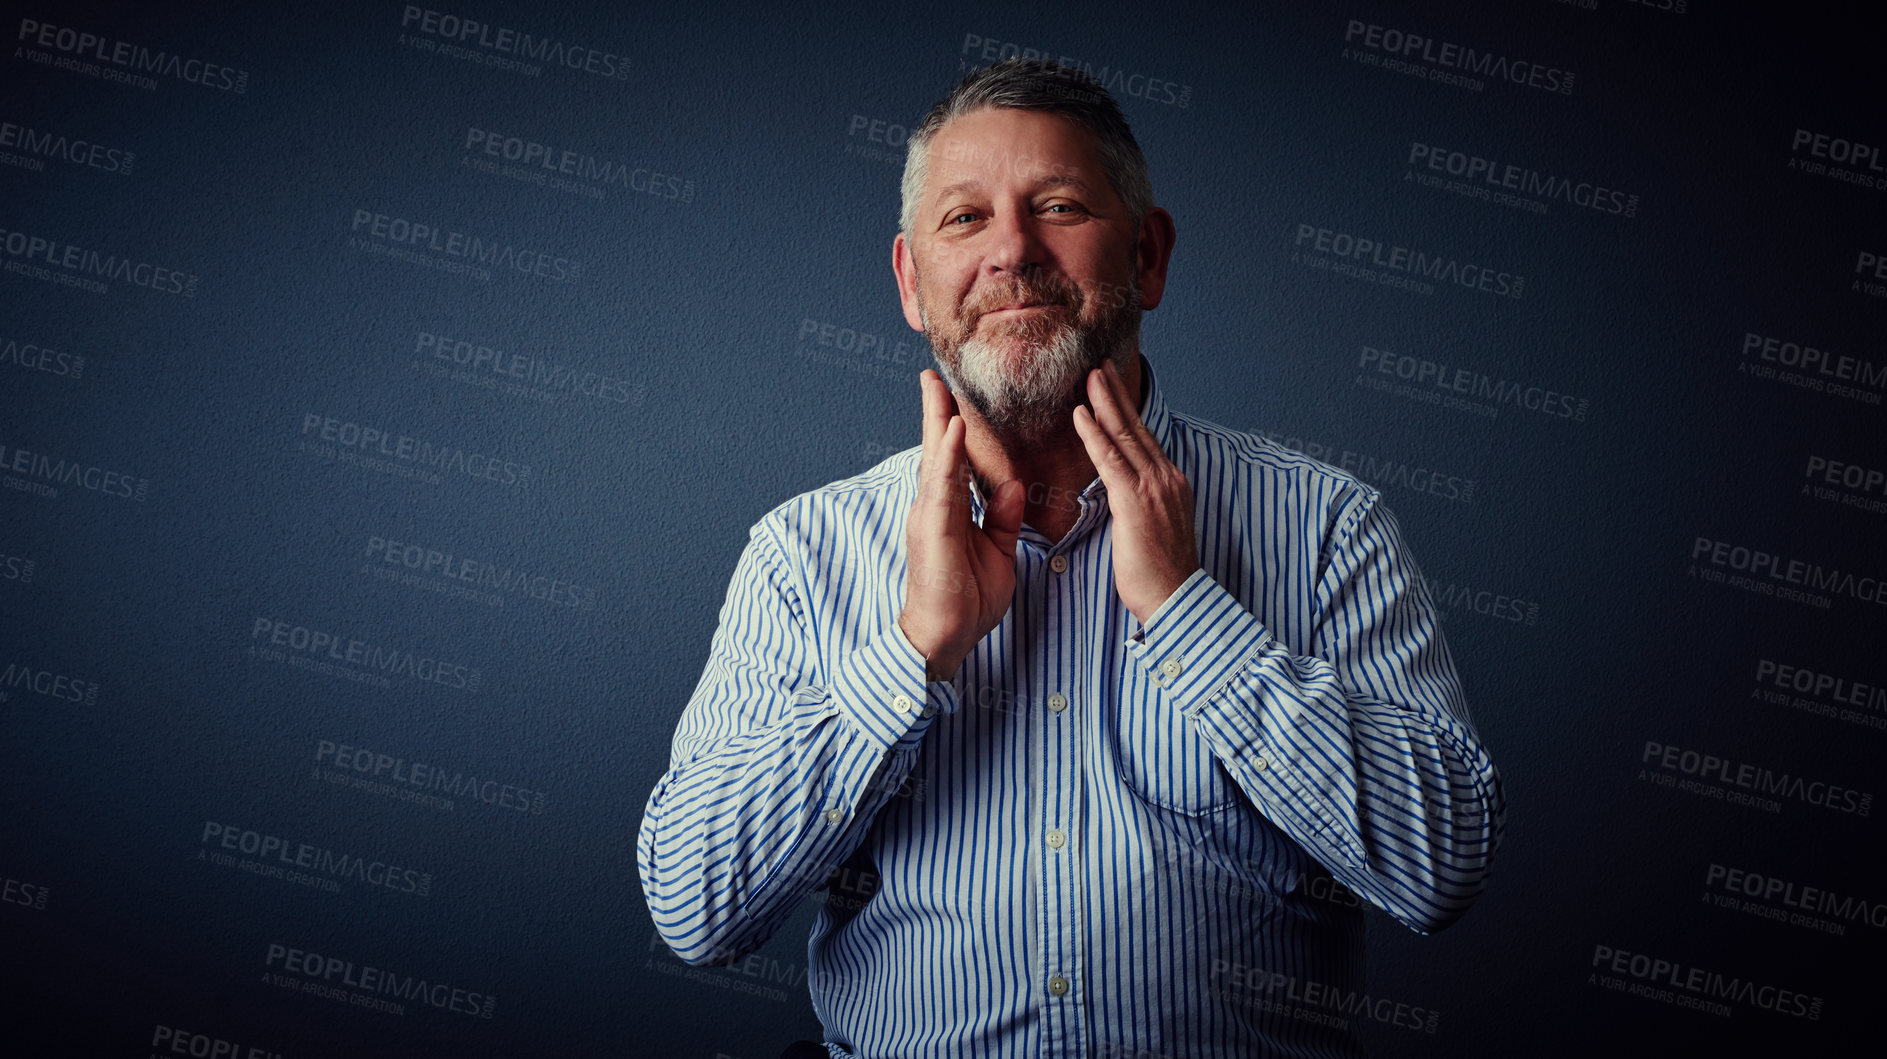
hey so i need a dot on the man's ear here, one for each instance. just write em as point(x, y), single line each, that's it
point(905, 268)
point(1152, 253)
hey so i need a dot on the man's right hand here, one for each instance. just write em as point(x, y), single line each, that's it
point(961, 576)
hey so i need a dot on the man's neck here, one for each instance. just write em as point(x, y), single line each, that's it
point(1053, 473)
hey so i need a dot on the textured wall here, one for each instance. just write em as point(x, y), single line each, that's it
point(384, 401)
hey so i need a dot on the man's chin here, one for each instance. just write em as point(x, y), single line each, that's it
point(1016, 357)
point(1025, 374)
point(1033, 427)
point(1020, 419)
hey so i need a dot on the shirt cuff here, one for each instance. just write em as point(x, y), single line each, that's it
point(881, 687)
point(1196, 641)
point(1195, 646)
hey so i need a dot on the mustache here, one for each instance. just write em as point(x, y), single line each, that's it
point(1042, 290)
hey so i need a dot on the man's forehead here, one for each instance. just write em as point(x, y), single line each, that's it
point(969, 154)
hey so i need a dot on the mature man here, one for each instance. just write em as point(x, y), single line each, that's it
point(1078, 708)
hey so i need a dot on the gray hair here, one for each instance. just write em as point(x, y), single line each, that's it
point(1030, 84)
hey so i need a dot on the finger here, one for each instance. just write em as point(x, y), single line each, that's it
point(953, 498)
point(949, 399)
point(1107, 460)
point(1107, 413)
point(935, 418)
point(1002, 516)
point(932, 511)
point(1130, 412)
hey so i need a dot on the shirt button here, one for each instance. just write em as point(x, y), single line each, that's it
point(1172, 668)
point(903, 704)
point(1059, 564)
point(1262, 764)
point(833, 816)
point(928, 711)
point(1056, 839)
point(1058, 985)
point(1057, 702)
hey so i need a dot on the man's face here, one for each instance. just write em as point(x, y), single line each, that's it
point(1023, 271)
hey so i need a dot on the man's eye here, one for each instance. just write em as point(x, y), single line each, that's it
point(961, 216)
point(1061, 206)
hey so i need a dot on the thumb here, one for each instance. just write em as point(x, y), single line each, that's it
point(1002, 518)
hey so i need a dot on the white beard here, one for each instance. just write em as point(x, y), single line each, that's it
point(1027, 381)
point(1024, 394)
point(1029, 396)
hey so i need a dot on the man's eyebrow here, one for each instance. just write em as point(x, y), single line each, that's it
point(953, 190)
point(1052, 180)
point(1062, 180)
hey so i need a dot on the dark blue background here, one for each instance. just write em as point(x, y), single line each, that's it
point(700, 304)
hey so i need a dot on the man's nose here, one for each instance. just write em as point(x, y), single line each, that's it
point(1016, 246)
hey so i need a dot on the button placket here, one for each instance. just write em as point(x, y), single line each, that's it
point(1060, 730)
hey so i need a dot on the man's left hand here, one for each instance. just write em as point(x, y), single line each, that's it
point(1149, 498)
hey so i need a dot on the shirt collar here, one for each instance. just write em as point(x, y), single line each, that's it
point(1153, 413)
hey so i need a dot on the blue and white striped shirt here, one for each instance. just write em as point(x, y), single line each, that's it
point(1098, 839)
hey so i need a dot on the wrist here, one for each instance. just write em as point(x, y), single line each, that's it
point(1144, 609)
point(940, 664)
point(1148, 610)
